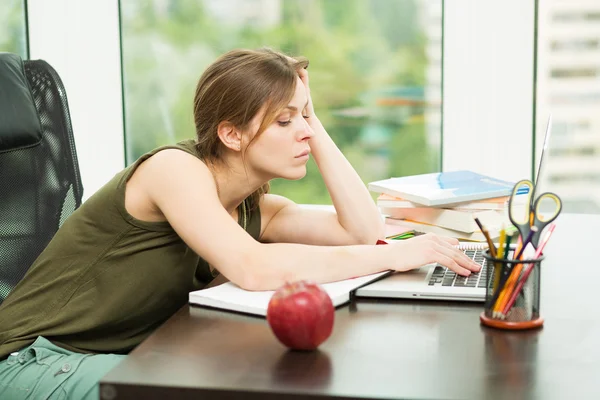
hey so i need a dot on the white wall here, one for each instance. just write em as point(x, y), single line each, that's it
point(80, 39)
point(488, 87)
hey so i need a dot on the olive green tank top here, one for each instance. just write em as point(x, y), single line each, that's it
point(107, 280)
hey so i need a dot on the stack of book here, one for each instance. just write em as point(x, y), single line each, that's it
point(445, 203)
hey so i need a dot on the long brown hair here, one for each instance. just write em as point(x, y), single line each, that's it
point(235, 88)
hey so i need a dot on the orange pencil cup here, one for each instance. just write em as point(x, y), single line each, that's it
point(512, 298)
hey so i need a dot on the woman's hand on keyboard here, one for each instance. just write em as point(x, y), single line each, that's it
point(430, 248)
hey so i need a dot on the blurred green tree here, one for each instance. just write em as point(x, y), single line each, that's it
point(363, 53)
point(13, 35)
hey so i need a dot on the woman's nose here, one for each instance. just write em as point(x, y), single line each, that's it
point(306, 132)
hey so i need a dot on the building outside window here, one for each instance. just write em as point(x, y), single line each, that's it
point(375, 70)
point(568, 86)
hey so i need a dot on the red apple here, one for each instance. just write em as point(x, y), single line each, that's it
point(301, 315)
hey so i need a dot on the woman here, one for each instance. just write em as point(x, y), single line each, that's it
point(128, 257)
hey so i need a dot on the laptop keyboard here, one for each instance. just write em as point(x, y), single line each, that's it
point(443, 276)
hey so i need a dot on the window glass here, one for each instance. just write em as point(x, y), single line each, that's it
point(568, 87)
point(375, 72)
point(13, 31)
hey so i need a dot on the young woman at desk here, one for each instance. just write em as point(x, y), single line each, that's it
point(126, 260)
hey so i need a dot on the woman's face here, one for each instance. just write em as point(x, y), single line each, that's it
point(282, 150)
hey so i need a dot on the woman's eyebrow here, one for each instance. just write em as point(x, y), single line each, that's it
point(294, 108)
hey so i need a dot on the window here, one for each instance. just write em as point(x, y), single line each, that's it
point(577, 151)
point(577, 72)
point(575, 98)
point(375, 74)
point(568, 87)
point(575, 44)
point(582, 14)
point(565, 128)
point(13, 32)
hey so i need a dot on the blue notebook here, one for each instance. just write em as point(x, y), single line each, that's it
point(443, 188)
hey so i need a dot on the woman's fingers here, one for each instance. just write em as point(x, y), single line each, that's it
point(428, 249)
point(458, 257)
point(436, 249)
point(449, 262)
point(304, 76)
point(451, 241)
point(439, 239)
point(303, 73)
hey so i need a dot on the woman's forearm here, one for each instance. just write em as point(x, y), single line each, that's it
point(274, 264)
point(356, 210)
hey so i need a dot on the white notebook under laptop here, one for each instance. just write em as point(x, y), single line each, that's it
point(231, 297)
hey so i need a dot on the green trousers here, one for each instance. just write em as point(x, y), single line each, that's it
point(46, 371)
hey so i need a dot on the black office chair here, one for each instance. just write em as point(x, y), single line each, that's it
point(40, 185)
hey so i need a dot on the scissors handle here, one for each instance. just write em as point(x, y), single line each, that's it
point(541, 218)
point(520, 206)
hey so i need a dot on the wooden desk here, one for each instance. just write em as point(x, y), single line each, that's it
point(388, 349)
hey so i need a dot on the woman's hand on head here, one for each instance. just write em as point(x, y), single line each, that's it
point(426, 249)
point(309, 112)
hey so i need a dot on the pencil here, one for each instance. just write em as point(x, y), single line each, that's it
point(498, 271)
point(492, 249)
point(527, 272)
point(501, 242)
point(509, 237)
point(513, 276)
point(487, 237)
point(504, 273)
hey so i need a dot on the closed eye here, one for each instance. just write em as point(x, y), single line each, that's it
point(284, 123)
point(304, 112)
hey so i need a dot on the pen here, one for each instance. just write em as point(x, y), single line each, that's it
point(532, 232)
point(513, 275)
point(528, 271)
point(402, 236)
point(500, 294)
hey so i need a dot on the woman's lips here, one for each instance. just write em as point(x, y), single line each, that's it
point(305, 153)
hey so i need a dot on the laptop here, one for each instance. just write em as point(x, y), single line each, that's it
point(436, 282)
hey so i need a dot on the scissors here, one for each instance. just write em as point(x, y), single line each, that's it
point(525, 211)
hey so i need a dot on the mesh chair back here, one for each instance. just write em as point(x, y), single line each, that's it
point(40, 186)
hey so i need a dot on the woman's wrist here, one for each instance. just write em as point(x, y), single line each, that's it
point(317, 127)
point(386, 256)
point(314, 122)
point(320, 142)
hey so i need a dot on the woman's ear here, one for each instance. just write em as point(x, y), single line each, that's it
point(230, 135)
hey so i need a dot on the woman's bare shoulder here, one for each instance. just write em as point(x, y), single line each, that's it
point(171, 163)
point(160, 174)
